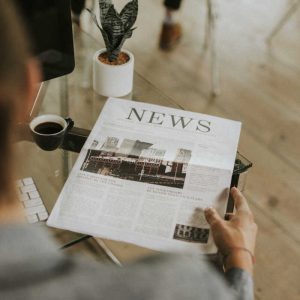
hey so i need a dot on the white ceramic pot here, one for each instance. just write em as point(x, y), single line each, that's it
point(110, 80)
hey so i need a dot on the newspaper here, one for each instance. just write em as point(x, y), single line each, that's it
point(145, 175)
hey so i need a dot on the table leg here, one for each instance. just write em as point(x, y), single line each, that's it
point(212, 32)
point(64, 111)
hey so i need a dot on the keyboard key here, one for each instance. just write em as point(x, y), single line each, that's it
point(32, 219)
point(24, 197)
point(28, 188)
point(35, 209)
point(31, 199)
point(28, 181)
point(34, 202)
point(43, 216)
point(34, 195)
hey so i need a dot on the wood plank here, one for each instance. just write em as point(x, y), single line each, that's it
point(277, 269)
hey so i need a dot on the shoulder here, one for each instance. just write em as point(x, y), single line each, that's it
point(158, 277)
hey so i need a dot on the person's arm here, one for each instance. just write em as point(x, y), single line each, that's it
point(235, 240)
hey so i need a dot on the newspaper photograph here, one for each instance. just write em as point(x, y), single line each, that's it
point(139, 161)
point(145, 175)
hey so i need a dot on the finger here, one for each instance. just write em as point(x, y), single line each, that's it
point(229, 216)
point(212, 216)
point(240, 201)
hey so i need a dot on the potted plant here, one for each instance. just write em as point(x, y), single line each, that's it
point(113, 66)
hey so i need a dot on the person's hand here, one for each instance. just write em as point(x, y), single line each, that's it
point(235, 238)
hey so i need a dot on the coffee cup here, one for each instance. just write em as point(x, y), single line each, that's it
point(48, 131)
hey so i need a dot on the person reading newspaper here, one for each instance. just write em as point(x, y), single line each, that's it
point(33, 268)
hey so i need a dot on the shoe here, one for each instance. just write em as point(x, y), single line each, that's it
point(170, 36)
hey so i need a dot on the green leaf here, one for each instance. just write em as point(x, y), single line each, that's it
point(129, 14)
point(113, 26)
point(104, 5)
point(106, 40)
point(115, 53)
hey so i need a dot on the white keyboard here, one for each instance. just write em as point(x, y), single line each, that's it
point(32, 202)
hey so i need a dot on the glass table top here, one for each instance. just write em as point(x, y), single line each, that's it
point(73, 96)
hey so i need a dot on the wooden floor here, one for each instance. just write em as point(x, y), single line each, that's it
point(260, 86)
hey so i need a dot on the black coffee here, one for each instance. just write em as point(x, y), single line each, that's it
point(48, 128)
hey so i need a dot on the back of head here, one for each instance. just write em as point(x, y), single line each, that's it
point(14, 55)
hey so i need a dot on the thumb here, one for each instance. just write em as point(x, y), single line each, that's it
point(212, 216)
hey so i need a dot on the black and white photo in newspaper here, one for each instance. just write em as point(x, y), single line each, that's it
point(145, 175)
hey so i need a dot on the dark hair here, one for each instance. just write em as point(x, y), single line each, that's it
point(14, 55)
